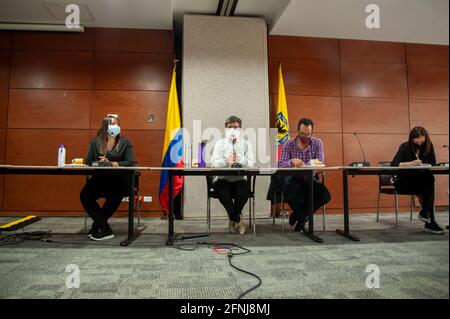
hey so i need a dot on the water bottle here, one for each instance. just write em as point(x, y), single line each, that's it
point(187, 155)
point(201, 154)
point(61, 156)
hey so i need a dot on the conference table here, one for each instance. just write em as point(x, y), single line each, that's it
point(307, 172)
point(81, 170)
point(378, 170)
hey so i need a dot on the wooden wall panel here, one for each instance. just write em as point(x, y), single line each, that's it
point(42, 193)
point(60, 192)
point(2, 145)
point(431, 114)
point(132, 71)
point(427, 54)
point(377, 147)
point(54, 41)
point(40, 146)
point(51, 101)
point(441, 151)
point(149, 186)
point(148, 145)
point(372, 51)
point(324, 111)
point(333, 181)
point(333, 148)
point(428, 82)
point(5, 40)
point(3, 107)
point(4, 69)
point(51, 70)
point(2, 161)
point(442, 182)
point(306, 77)
point(303, 48)
point(63, 109)
point(373, 80)
point(133, 108)
point(375, 115)
point(134, 40)
point(2, 187)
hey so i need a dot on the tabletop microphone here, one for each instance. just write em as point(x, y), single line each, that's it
point(235, 165)
point(364, 162)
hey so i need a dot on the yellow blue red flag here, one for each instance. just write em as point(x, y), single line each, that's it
point(172, 155)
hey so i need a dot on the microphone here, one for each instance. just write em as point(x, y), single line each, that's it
point(235, 165)
point(364, 162)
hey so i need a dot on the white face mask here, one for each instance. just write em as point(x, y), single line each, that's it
point(232, 133)
point(113, 130)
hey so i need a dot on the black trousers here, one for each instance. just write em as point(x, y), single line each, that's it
point(296, 193)
point(420, 184)
point(233, 196)
point(112, 188)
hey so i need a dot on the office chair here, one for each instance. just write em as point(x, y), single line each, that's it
point(137, 198)
point(251, 202)
point(386, 186)
point(278, 189)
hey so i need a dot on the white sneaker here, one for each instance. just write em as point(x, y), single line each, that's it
point(232, 226)
point(242, 228)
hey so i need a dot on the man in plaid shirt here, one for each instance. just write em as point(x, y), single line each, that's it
point(299, 152)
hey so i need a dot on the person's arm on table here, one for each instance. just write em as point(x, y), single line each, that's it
point(400, 159)
point(217, 158)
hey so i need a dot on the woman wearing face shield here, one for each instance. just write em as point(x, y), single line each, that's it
point(418, 150)
point(109, 148)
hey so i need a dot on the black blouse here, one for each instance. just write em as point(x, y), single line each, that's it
point(122, 153)
point(406, 154)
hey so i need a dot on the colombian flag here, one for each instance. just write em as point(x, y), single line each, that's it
point(281, 119)
point(172, 155)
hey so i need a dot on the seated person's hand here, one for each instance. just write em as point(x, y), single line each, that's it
point(297, 162)
point(417, 162)
point(103, 158)
point(231, 159)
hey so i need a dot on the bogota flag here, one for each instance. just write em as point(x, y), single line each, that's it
point(172, 155)
point(281, 119)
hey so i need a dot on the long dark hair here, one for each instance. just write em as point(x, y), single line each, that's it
point(416, 132)
point(102, 135)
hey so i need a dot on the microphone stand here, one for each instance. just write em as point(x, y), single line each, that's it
point(364, 163)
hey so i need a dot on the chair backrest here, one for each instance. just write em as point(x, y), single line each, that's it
point(385, 180)
point(209, 185)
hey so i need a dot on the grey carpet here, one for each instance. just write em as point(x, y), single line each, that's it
point(413, 264)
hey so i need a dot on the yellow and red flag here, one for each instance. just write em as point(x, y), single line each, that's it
point(281, 118)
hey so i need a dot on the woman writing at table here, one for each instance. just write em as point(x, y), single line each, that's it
point(417, 152)
point(110, 149)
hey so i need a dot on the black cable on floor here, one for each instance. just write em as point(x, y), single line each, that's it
point(230, 255)
point(18, 238)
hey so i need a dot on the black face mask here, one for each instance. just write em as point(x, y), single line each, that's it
point(417, 146)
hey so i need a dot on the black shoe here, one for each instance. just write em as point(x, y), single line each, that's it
point(433, 228)
point(292, 219)
point(300, 226)
point(103, 233)
point(424, 217)
point(94, 228)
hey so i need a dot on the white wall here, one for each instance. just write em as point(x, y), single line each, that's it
point(225, 73)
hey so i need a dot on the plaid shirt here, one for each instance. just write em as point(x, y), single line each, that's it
point(290, 151)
